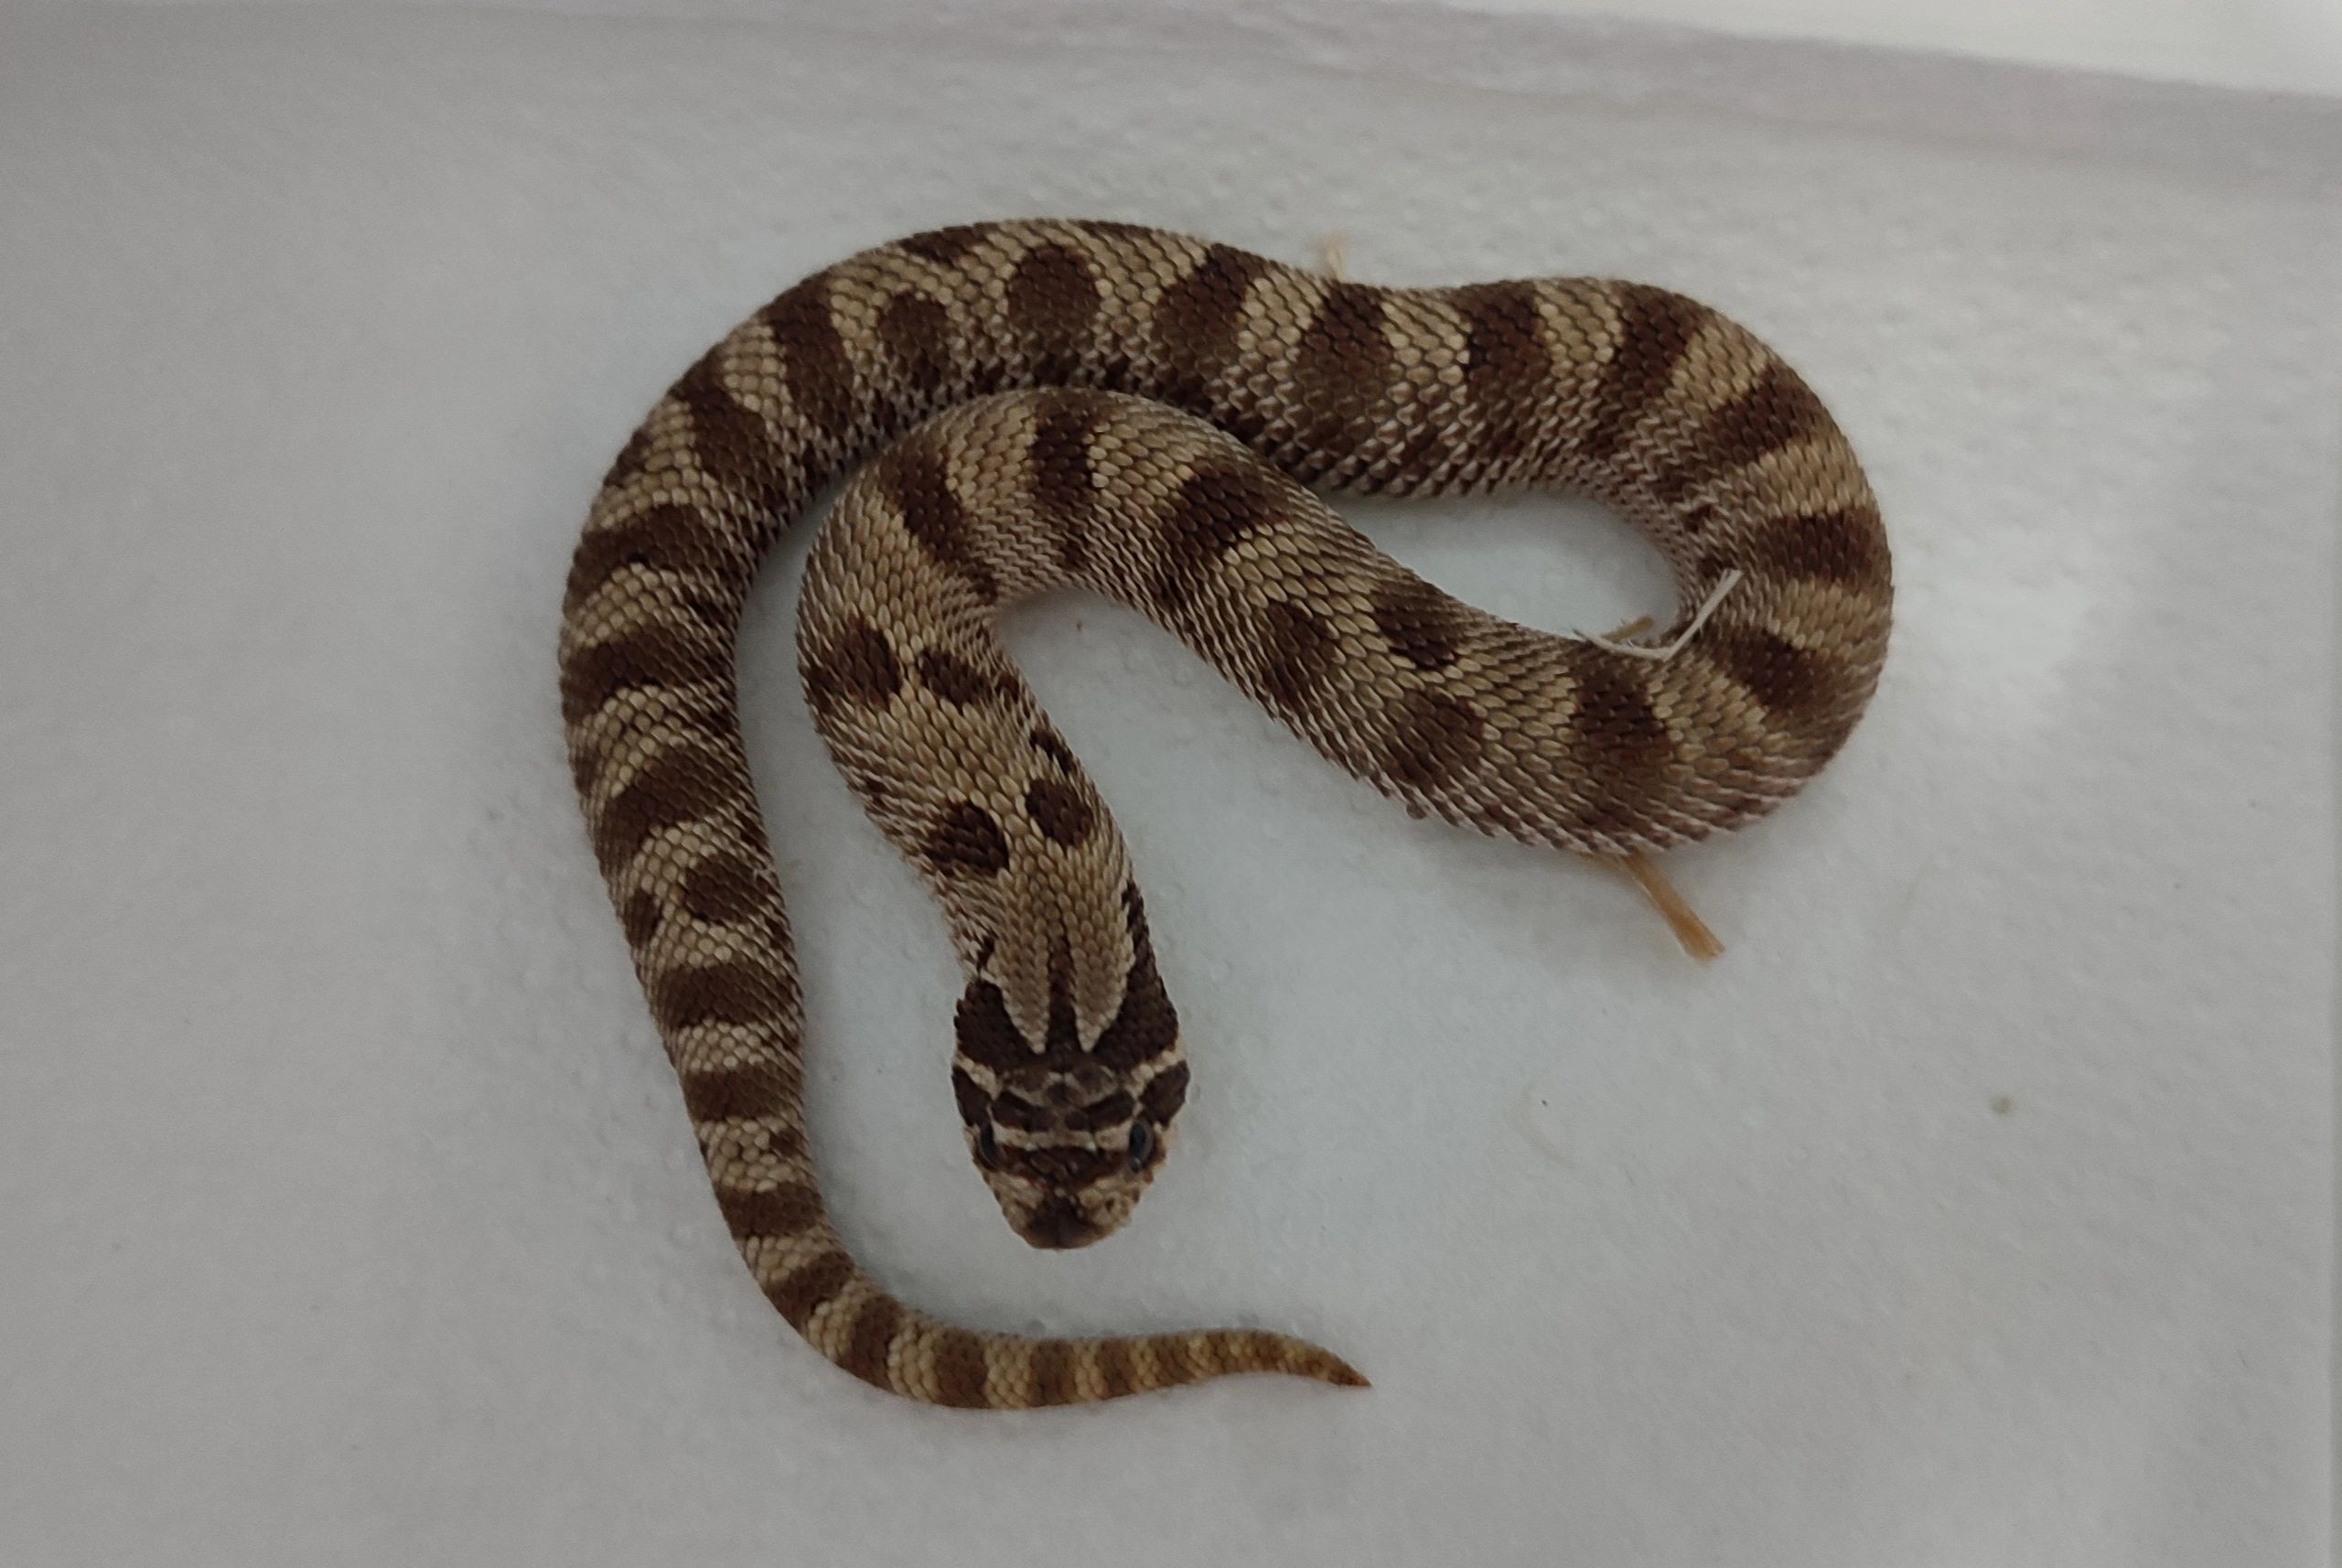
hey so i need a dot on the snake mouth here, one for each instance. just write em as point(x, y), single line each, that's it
point(1060, 1225)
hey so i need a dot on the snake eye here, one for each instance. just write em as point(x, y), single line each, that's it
point(987, 1146)
point(1142, 1144)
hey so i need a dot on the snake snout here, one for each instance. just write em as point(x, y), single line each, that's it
point(1060, 1225)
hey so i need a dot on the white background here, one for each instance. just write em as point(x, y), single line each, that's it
point(1974, 1208)
point(2288, 44)
point(2291, 44)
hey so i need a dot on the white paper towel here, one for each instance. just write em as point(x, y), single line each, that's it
point(1974, 1208)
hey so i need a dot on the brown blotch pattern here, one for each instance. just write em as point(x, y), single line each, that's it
point(1212, 510)
point(723, 1094)
point(648, 657)
point(917, 332)
point(1342, 367)
point(663, 538)
point(1505, 362)
point(961, 1369)
point(1789, 682)
point(1053, 1373)
point(1779, 410)
point(866, 1349)
point(1059, 812)
point(954, 679)
point(1052, 298)
point(916, 477)
point(966, 840)
point(740, 991)
point(1064, 486)
point(725, 887)
point(1842, 545)
point(805, 1291)
point(729, 442)
point(1298, 653)
point(1615, 710)
point(676, 788)
point(821, 376)
point(1422, 626)
point(1435, 739)
point(1117, 1368)
point(858, 665)
point(789, 1209)
point(1655, 327)
point(1172, 1363)
point(1197, 320)
point(1344, 353)
point(1051, 744)
point(639, 917)
point(946, 246)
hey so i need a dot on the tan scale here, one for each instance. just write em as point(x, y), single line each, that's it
point(1137, 413)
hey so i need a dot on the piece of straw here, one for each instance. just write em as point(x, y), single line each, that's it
point(1724, 586)
point(1691, 931)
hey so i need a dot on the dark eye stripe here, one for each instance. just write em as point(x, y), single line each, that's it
point(1010, 1110)
point(1116, 1107)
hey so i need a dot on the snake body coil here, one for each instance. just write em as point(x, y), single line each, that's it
point(1137, 412)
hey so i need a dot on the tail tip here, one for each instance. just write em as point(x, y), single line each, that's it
point(1331, 1369)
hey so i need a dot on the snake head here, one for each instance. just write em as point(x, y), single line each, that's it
point(1069, 1133)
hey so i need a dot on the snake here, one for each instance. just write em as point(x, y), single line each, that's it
point(1020, 407)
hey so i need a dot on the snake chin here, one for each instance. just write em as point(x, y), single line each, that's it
point(1060, 1197)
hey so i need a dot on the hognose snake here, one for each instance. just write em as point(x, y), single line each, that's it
point(1136, 412)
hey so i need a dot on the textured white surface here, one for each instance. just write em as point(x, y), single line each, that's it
point(2294, 43)
point(1974, 1208)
